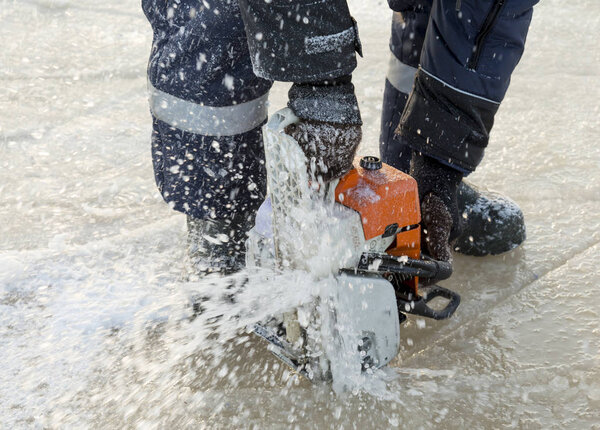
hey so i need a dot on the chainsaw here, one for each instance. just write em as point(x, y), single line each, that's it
point(363, 228)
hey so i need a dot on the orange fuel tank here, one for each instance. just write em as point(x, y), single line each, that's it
point(383, 196)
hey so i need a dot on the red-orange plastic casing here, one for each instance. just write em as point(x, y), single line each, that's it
point(384, 197)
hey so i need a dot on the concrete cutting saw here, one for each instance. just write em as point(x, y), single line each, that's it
point(363, 232)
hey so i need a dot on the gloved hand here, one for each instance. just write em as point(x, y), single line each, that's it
point(330, 128)
point(440, 220)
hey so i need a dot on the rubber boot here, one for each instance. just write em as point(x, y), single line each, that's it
point(485, 222)
point(492, 223)
point(217, 246)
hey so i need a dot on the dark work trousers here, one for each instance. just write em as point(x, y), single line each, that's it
point(208, 107)
point(471, 47)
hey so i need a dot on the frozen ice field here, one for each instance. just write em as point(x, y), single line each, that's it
point(89, 252)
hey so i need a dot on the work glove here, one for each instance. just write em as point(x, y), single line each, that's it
point(440, 220)
point(329, 130)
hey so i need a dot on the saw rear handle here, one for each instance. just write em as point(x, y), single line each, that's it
point(399, 270)
point(420, 306)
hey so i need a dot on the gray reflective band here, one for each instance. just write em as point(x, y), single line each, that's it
point(400, 75)
point(207, 120)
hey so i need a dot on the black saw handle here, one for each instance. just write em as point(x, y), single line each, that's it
point(428, 293)
point(432, 270)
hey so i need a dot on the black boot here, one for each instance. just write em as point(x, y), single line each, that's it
point(492, 223)
point(478, 222)
point(217, 246)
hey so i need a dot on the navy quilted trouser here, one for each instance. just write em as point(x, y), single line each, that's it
point(469, 48)
point(207, 106)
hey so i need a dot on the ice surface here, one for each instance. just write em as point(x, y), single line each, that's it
point(90, 256)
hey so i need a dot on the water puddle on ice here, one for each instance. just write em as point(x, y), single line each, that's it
point(102, 335)
point(163, 368)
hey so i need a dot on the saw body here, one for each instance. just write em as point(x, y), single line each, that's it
point(364, 229)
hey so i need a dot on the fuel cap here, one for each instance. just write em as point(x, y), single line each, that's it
point(370, 163)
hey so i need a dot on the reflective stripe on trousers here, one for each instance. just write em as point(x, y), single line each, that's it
point(400, 75)
point(207, 120)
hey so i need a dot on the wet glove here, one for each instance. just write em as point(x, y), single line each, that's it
point(440, 220)
point(329, 130)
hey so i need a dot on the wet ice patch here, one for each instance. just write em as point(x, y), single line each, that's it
point(54, 4)
point(11, 267)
